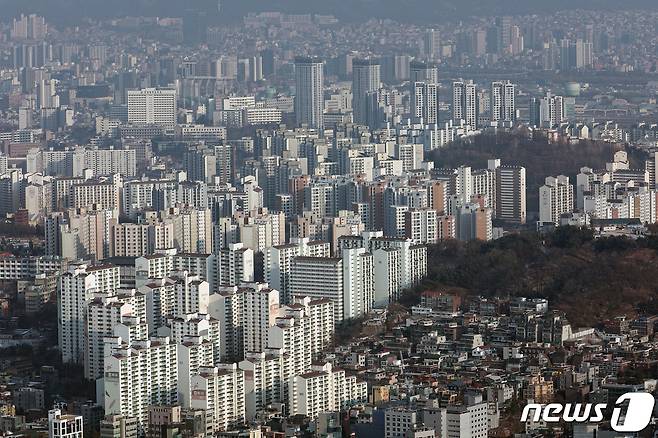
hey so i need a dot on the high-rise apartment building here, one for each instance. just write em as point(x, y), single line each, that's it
point(103, 315)
point(175, 295)
point(319, 278)
point(279, 262)
point(555, 198)
point(245, 314)
point(309, 88)
point(230, 266)
point(324, 389)
point(140, 374)
point(424, 98)
point(302, 330)
point(77, 288)
point(421, 226)
point(503, 104)
point(365, 79)
point(151, 106)
point(424, 72)
point(474, 222)
point(431, 44)
point(511, 194)
point(547, 112)
point(398, 263)
point(358, 291)
point(464, 103)
point(30, 27)
point(219, 391)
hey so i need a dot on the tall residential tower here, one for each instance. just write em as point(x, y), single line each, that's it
point(309, 100)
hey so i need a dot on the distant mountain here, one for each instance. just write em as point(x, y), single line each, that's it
point(354, 10)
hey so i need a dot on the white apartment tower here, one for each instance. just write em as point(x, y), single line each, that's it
point(424, 103)
point(77, 288)
point(174, 296)
point(303, 331)
point(464, 103)
point(324, 389)
point(555, 199)
point(421, 226)
point(219, 391)
point(139, 375)
point(387, 272)
point(104, 314)
point(358, 291)
point(245, 313)
point(265, 383)
point(230, 266)
point(279, 261)
point(151, 106)
point(503, 104)
point(194, 352)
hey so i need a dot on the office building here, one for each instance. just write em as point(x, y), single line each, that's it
point(398, 421)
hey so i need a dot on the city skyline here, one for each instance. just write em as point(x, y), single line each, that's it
point(365, 219)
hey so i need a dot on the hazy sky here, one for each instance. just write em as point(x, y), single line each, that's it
point(403, 10)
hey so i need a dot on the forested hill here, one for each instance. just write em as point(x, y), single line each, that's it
point(590, 279)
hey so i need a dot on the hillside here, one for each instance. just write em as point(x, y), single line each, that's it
point(538, 156)
point(591, 280)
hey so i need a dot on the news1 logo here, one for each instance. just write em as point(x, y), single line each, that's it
point(637, 417)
